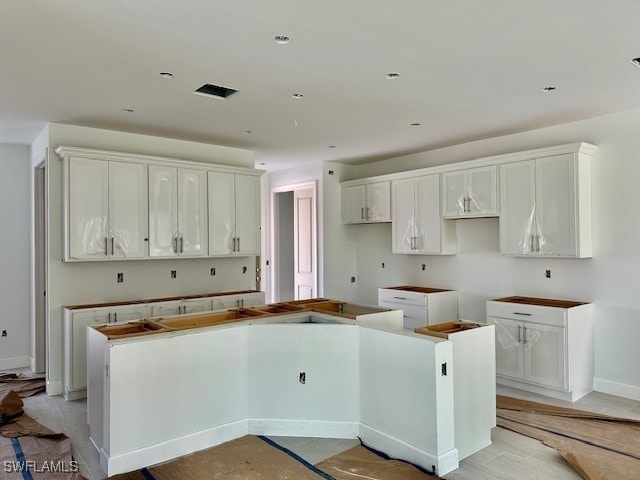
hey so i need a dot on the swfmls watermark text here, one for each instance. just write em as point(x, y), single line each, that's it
point(41, 467)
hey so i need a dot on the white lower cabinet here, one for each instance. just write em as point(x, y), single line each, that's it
point(420, 306)
point(77, 318)
point(544, 348)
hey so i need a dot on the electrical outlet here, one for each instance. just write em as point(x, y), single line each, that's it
point(213, 271)
point(302, 378)
point(547, 274)
point(244, 269)
point(424, 267)
point(4, 333)
point(120, 278)
point(382, 264)
point(330, 172)
point(174, 274)
point(353, 279)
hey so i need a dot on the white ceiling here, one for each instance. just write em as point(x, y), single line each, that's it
point(469, 69)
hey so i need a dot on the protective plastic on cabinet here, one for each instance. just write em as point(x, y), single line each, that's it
point(527, 335)
point(92, 236)
point(533, 239)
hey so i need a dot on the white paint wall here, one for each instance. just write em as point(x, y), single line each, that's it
point(79, 283)
point(610, 279)
point(14, 256)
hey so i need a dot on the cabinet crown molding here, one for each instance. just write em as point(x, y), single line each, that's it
point(577, 147)
point(65, 151)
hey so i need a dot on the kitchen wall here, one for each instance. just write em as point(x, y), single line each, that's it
point(95, 282)
point(610, 279)
point(14, 256)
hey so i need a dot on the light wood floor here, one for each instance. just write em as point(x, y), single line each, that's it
point(510, 456)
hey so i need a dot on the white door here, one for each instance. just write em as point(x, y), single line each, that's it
point(192, 212)
point(403, 215)
point(544, 355)
point(517, 208)
point(556, 205)
point(304, 244)
point(222, 213)
point(88, 208)
point(378, 197)
point(78, 340)
point(428, 214)
point(127, 210)
point(163, 211)
point(482, 191)
point(509, 347)
point(454, 194)
point(247, 198)
point(353, 204)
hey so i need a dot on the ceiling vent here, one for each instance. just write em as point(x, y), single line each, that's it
point(214, 91)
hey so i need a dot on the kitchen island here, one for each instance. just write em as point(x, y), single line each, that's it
point(167, 387)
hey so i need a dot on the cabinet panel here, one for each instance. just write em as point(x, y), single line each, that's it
point(88, 208)
point(247, 198)
point(509, 347)
point(428, 214)
point(403, 226)
point(482, 190)
point(544, 354)
point(127, 210)
point(453, 193)
point(78, 343)
point(517, 207)
point(166, 308)
point(556, 205)
point(163, 211)
point(192, 212)
point(127, 313)
point(378, 202)
point(353, 204)
point(222, 213)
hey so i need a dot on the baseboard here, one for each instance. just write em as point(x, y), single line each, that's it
point(170, 449)
point(303, 428)
point(617, 389)
point(54, 388)
point(547, 392)
point(395, 448)
point(14, 362)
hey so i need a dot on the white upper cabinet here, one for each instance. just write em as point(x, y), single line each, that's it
point(417, 226)
point(177, 212)
point(370, 203)
point(106, 210)
point(470, 193)
point(545, 207)
point(234, 214)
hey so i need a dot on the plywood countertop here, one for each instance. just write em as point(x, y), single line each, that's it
point(410, 288)
point(543, 302)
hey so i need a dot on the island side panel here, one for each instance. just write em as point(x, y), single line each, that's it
point(170, 387)
point(324, 403)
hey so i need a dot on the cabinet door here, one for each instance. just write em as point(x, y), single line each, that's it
point(222, 213)
point(163, 211)
point(556, 205)
point(127, 210)
point(250, 299)
point(192, 212)
point(482, 190)
point(544, 355)
point(78, 342)
point(353, 204)
point(454, 194)
point(196, 305)
point(378, 197)
point(428, 214)
point(517, 208)
point(88, 208)
point(127, 313)
point(509, 347)
point(226, 301)
point(166, 308)
point(247, 198)
point(403, 226)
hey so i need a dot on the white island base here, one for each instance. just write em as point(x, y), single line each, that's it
point(156, 397)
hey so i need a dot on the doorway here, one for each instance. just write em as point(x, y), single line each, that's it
point(39, 311)
point(294, 242)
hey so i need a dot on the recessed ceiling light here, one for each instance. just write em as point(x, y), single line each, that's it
point(167, 75)
point(295, 123)
point(636, 61)
point(297, 95)
point(548, 89)
point(128, 110)
point(392, 75)
point(282, 39)
point(416, 124)
point(332, 146)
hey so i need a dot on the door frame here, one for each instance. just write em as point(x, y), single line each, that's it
point(274, 229)
point(39, 311)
